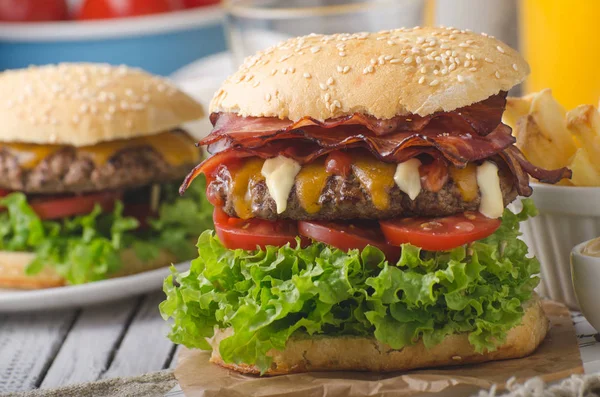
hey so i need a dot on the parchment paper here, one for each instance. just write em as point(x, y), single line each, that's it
point(556, 358)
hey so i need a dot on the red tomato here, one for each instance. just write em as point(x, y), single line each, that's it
point(62, 207)
point(33, 10)
point(347, 236)
point(439, 234)
point(237, 233)
point(338, 163)
point(105, 9)
point(199, 3)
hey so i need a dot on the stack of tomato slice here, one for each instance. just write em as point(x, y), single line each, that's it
point(432, 234)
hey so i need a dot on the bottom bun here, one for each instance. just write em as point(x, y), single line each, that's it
point(348, 353)
point(13, 264)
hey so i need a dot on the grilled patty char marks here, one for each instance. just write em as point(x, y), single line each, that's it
point(345, 198)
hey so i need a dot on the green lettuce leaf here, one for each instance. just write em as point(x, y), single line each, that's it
point(87, 248)
point(266, 296)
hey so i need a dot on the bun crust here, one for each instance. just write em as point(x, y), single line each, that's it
point(13, 264)
point(397, 72)
point(367, 354)
point(84, 104)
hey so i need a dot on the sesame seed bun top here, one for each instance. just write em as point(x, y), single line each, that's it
point(395, 72)
point(84, 104)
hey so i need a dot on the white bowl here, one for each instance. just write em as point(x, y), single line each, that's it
point(568, 216)
point(586, 274)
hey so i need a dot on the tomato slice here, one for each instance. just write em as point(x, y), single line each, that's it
point(62, 207)
point(347, 236)
point(439, 234)
point(247, 234)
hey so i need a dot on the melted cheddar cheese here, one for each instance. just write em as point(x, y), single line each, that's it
point(466, 181)
point(242, 179)
point(175, 148)
point(377, 178)
point(310, 182)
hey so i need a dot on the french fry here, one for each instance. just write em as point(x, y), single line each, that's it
point(584, 122)
point(584, 172)
point(516, 107)
point(549, 115)
point(537, 146)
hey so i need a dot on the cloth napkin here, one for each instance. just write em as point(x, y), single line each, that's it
point(155, 384)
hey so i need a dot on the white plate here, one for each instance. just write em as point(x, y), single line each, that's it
point(85, 294)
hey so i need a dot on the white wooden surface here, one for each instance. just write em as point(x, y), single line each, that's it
point(57, 348)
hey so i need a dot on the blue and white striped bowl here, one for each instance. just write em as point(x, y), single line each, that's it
point(159, 43)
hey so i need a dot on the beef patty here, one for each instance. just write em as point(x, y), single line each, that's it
point(345, 198)
point(71, 171)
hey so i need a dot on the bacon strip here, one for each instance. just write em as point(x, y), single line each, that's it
point(479, 119)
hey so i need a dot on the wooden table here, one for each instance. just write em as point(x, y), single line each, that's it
point(55, 348)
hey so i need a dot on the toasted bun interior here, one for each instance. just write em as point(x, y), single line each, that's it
point(84, 104)
point(394, 72)
point(324, 353)
point(13, 264)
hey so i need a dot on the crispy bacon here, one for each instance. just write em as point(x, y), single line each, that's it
point(305, 145)
point(480, 118)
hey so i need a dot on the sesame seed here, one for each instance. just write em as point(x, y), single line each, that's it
point(460, 78)
point(420, 40)
point(452, 67)
point(337, 104)
point(283, 58)
point(452, 37)
point(256, 83)
point(515, 67)
point(423, 69)
point(444, 46)
point(391, 42)
point(469, 41)
point(422, 80)
point(444, 71)
point(500, 49)
point(368, 69)
point(342, 54)
point(473, 69)
point(323, 86)
point(387, 57)
point(346, 69)
point(315, 49)
point(330, 81)
point(418, 60)
point(307, 75)
point(267, 97)
point(340, 69)
point(327, 97)
point(381, 61)
point(395, 60)
point(497, 74)
point(436, 72)
point(463, 45)
point(273, 72)
point(292, 69)
point(284, 70)
point(434, 83)
point(467, 64)
point(373, 61)
point(488, 60)
point(408, 60)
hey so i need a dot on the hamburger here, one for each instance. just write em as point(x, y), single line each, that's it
point(91, 157)
point(360, 184)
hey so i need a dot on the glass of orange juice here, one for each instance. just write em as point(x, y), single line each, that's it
point(560, 40)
